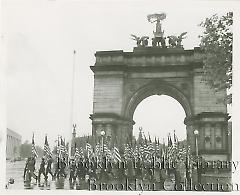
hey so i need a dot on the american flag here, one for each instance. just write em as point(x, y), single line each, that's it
point(61, 148)
point(170, 149)
point(46, 150)
point(66, 148)
point(163, 151)
point(89, 149)
point(127, 152)
point(157, 147)
point(141, 150)
point(102, 149)
point(174, 149)
point(81, 152)
point(34, 151)
point(150, 146)
point(188, 157)
point(170, 144)
point(98, 149)
point(58, 146)
point(77, 153)
point(182, 153)
point(136, 152)
point(175, 139)
point(107, 151)
point(116, 154)
point(147, 152)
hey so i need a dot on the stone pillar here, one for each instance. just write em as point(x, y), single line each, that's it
point(110, 133)
point(190, 138)
point(212, 137)
point(96, 131)
point(124, 134)
point(116, 129)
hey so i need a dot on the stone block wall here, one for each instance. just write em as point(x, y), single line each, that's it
point(205, 99)
point(108, 94)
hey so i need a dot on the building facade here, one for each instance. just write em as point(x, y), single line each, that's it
point(13, 144)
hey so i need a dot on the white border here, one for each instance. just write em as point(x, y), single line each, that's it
point(232, 5)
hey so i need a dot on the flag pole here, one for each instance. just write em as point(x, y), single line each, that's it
point(58, 155)
point(72, 95)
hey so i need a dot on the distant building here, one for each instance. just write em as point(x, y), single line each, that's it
point(79, 141)
point(13, 144)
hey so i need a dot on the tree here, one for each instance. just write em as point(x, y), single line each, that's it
point(216, 42)
point(39, 151)
point(26, 150)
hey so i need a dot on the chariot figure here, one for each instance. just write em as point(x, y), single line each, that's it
point(159, 33)
point(157, 18)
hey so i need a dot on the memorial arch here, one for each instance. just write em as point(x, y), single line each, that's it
point(123, 79)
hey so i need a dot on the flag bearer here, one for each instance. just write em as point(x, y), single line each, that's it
point(30, 167)
point(49, 168)
point(62, 168)
point(42, 170)
point(72, 168)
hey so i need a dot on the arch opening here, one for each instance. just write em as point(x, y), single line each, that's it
point(157, 88)
point(158, 116)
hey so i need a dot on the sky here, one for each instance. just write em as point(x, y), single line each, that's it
point(39, 39)
point(164, 115)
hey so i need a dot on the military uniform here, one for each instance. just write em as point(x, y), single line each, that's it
point(49, 168)
point(72, 168)
point(41, 170)
point(30, 166)
point(81, 171)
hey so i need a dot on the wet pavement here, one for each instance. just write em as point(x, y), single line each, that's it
point(15, 170)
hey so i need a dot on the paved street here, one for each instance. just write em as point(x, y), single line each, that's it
point(15, 170)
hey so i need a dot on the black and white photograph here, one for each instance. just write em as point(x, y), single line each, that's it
point(119, 95)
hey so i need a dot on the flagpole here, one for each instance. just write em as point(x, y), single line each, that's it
point(32, 146)
point(58, 157)
point(72, 95)
point(102, 134)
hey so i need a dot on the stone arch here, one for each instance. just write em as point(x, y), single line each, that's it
point(156, 87)
point(115, 97)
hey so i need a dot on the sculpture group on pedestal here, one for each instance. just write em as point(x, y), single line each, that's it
point(159, 40)
point(141, 41)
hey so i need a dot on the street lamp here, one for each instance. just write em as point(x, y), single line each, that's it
point(196, 132)
point(102, 134)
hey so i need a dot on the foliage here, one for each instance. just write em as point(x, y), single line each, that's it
point(216, 42)
point(54, 150)
point(26, 150)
